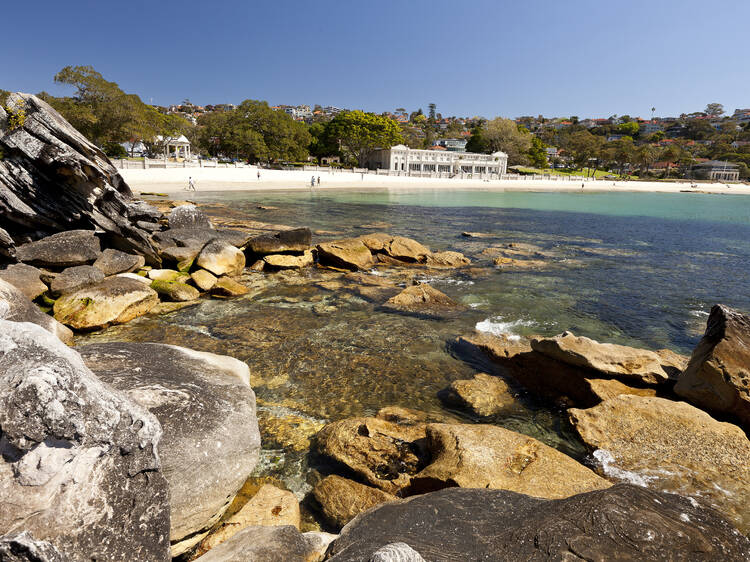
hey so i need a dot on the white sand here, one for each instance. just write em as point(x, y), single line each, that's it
point(173, 180)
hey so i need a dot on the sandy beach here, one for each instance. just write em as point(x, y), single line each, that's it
point(246, 179)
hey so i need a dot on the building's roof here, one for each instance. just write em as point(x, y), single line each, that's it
point(716, 164)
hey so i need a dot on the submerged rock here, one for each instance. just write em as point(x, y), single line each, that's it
point(341, 499)
point(623, 522)
point(112, 262)
point(207, 410)
point(718, 375)
point(16, 307)
point(79, 466)
point(25, 278)
point(64, 249)
point(673, 446)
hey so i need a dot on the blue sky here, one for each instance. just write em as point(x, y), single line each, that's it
point(588, 58)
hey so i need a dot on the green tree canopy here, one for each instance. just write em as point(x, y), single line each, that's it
point(629, 128)
point(503, 135)
point(359, 133)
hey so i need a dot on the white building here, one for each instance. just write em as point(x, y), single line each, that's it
point(426, 162)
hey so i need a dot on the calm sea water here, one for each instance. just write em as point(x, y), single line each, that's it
point(637, 269)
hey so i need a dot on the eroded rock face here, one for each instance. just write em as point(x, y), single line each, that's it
point(73, 451)
point(53, 179)
point(221, 258)
point(341, 499)
point(718, 375)
point(207, 410)
point(16, 307)
point(296, 240)
point(350, 253)
point(672, 446)
point(112, 262)
point(64, 249)
point(22, 547)
point(25, 278)
point(623, 522)
point(188, 216)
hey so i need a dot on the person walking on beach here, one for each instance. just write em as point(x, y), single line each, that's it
point(312, 182)
point(258, 175)
point(318, 181)
point(191, 184)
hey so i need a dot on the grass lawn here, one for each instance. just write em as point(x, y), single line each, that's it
point(564, 172)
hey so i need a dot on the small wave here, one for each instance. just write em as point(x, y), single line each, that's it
point(496, 326)
point(607, 462)
point(698, 313)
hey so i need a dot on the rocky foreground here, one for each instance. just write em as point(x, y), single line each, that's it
point(140, 451)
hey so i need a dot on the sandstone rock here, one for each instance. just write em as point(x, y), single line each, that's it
point(510, 263)
point(79, 466)
point(192, 237)
point(385, 454)
point(422, 298)
point(115, 300)
point(25, 278)
point(672, 363)
point(183, 257)
point(72, 279)
point(447, 259)
point(341, 499)
point(604, 389)
point(294, 240)
point(228, 287)
point(22, 547)
point(112, 262)
point(718, 375)
point(396, 552)
point(284, 261)
point(221, 258)
point(376, 241)
point(484, 395)
point(269, 507)
point(140, 278)
point(406, 249)
point(207, 411)
point(53, 179)
point(203, 279)
point(177, 292)
point(64, 249)
point(609, 359)
point(623, 522)
point(168, 275)
point(16, 307)
point(188, 216)
point(266, 544)
point(350, 253)
point(673, 446)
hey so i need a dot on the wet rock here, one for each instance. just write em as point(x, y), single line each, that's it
point(176, 292)
point(203, 279)
point(350, 253)
point(115, 300)
point(447, 260)
point(168, 275)
point(188, 216)
point(228, 287)
point(25, 278)
point(221, 258)
point(269, 507)
point(169, 307)
point(514, 264)
point(207, 411)
point(341, 499)
point(16, 307)
point(295, 240)
point(64, 249)
point(74, 451)
point(609, 359)
point(422, 298)
point(484, 395)
point(269, 544)
point(22, 547)
point(285, 261)
point(487, 456)
point(72, 279)
point(673, 446)
point(623, 522)
point(112, 262)
point(396, 552)
point(718, 375)
point(53, 179)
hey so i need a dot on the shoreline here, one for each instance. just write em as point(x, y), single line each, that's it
point(174, 180)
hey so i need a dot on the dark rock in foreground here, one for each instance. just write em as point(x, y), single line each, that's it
point(79, 465)
point(64, 249)
point(22, 547)
point(296, 240)
point(624, 522)
point(53, 179)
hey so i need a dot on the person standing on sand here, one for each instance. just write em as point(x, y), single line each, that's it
point(581, 185)
point(318, 181)
point(191, 184)
point(312, 182)
point(258, 175)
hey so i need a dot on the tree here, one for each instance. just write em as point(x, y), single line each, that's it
point(584, 148)
point(714, 109)
point(359, 133)
point(537, 153)
point(477, 142)
point(645, 155)
point(431, 109)
point(504, 135)
point(629, 128)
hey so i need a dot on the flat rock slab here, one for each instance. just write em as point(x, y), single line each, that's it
point(624, 522)
point(64, 249)
point(671, 446)
point(286, 261)
point(25, 278)
point(207, 411)
point(295, 240)
point(16, 307)
point(71, 279)
point(112, 262)
point(79, 465)
point(115, 300)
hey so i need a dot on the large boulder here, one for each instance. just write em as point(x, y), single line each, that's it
point(207, 411)
point(79, 467)
point(23, 547)
point(350, 253)
point(296, 240)
point(406, 249)
point(623, 522)
point(71, 279)
point(718, 375)
point(188, 216)
point(112, 262)
point(53, 179)
point(424, 299)
point(268, 544)
point(221, 258)
point(25, 278)
point(341, 499)
point(672, 446)
point(115, 300)
point(609, 359)
point(15, 306)
point(64, 249)
point(285, 261)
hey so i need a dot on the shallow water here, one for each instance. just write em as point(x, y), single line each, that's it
point(636, 269)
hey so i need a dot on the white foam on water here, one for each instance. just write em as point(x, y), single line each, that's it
point(698, 313)
point(497, 327)
point(607, 462)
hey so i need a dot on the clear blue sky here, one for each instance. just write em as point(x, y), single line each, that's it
point(471, 57)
